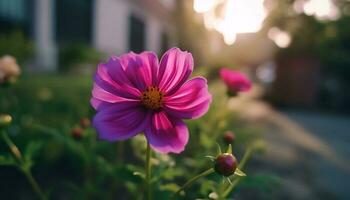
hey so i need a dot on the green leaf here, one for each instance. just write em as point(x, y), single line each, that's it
point(207, 187)
point(239, 172)
point(218, 150)
point(212, 158)
point(229, 149)
point(32, 149)
point(171, 173)
point(140, 174)
point(229, 180)
point(7, 161)
point(172, 187)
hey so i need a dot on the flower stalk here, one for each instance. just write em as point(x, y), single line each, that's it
point(17, 155)
point(237, 179)
point(192, 180)
point(148, 172)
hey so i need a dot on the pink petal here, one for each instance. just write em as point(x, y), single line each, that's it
point(104, 96)
point(112, 78)
point(120, 121)
point(191, 101)
point(175, 68)
point(98, 104)
point(141, 69)
point(167, 134)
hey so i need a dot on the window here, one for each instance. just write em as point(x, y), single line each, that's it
point(136, 34)
point(73, 21)
point(16, 15)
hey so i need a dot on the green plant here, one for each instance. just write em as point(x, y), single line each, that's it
point(78, 53)
point(17, 45)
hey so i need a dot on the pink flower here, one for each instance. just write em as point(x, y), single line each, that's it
point(9, 69)
point(235, 81)
point(134, 93)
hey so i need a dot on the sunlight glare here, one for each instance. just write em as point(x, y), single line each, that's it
point(240, 16)
point(202, 6)
point(321, 9)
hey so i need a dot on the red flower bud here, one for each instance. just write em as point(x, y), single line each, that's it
point(85, 122)
point(225, 164)
point(229, 137)
point(77, 133)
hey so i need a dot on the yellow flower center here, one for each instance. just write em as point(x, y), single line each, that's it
point(152, 98)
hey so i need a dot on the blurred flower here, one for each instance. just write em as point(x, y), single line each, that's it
point(5, 120)
point(9, 69)
point(229, 137)
point(85, 122)
point(225, 164)
point(235, 81)
point(44, 94)
point(76, 133)
point(134, 93)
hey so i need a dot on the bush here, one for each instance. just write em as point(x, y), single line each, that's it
point(17, 45)
point(72, 55)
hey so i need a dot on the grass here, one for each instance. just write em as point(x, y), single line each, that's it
point(52, 100)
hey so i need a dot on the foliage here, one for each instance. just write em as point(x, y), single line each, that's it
point(324, 41)
point(17, 45)
point(77, 53)
point(45, 109)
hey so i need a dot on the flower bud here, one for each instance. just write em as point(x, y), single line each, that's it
point(85, 122)
point(225, 164)
point(5, 120)
point(77, 133)
point(229, 137)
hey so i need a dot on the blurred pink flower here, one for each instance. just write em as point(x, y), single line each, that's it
point(235, 81)
point(135, 93)
point(9, 69)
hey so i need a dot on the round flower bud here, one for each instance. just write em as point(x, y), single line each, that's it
point(77, 133)
point(225, 164)
point(85, 122)
point(229, 137)
point(5, 120)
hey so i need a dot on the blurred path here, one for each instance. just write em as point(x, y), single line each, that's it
point(309, 151)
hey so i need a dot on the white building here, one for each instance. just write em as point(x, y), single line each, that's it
point(110, 26)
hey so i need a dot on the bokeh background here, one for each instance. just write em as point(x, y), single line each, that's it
point(297, 53)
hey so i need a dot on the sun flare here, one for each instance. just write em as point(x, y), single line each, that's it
point(236, 16)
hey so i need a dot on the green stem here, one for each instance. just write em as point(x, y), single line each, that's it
point(148, 172)
point(120, 151)
point(230, 188)
point(34, 184)
point(189, 182)
point(245, 158)
point(241, 165)
point(16, 154)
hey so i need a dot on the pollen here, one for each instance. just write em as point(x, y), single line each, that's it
point(152, 98)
